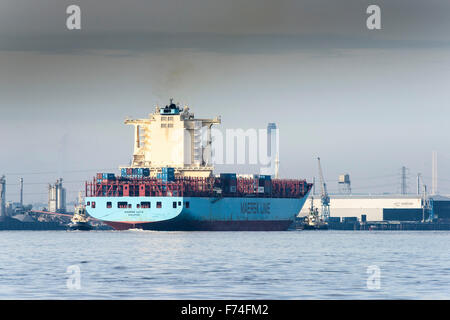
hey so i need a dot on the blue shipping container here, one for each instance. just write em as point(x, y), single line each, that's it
point(108, 176)
point(165, 177)
point(228, 176)
point(168, 170)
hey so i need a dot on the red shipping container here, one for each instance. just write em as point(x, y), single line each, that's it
point(142, 190)
point(126, 190)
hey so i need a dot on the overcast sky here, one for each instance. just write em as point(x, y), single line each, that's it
point(366, 101)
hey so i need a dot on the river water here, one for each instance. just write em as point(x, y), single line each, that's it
point(225, 265)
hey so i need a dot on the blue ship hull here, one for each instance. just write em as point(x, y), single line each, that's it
point(196, 213)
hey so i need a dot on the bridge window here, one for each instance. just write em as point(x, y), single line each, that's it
point(129, 206)
point(187, 204)
point(145, 204)
point(88, 203)
point(93, 204)
point(122, 205)
point(159, 204)
point(174, 204)
point(109, 204)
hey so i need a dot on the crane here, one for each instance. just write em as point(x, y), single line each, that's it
point(324, 195)
point(427, 206)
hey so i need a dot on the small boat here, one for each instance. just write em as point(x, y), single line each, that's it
point(313, 221)
point(80, 220)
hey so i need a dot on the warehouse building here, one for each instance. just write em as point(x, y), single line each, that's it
point(381, 207)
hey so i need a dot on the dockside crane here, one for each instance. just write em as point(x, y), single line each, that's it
point(427, 206)
point(324, 195)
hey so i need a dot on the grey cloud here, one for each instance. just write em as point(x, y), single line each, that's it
point(229, 26)
point(130, 44)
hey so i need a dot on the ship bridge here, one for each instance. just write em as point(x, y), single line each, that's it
point(173, 137)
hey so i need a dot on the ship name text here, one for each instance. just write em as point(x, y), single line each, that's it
point(255, 207)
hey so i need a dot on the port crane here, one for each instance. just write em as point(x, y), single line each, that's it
point(427, 202)
point(324, 195)
point(427, 206)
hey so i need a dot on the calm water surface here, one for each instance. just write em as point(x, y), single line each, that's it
point(224, 265)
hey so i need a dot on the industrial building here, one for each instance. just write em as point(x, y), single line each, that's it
point(57, 197)
point(382, 207)
point(349, 207)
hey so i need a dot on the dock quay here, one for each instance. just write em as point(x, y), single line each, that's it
point(389, 225)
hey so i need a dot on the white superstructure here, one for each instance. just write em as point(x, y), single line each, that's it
point(172, 137)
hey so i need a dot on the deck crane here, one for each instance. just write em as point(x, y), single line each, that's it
point(324, 195)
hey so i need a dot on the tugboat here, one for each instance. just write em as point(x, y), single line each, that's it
point(313, 221)
point(80, 219)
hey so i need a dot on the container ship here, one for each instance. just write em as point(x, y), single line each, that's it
point(170, 185)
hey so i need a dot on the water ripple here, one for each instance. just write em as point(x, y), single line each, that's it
point(225, 265)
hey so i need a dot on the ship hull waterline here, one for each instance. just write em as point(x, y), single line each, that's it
point(189, 225)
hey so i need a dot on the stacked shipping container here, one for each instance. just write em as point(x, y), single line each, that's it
point(207, 187)
point(166, 175)
point(135, 172)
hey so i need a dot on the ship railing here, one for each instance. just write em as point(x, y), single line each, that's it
point(198, 187)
